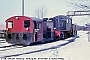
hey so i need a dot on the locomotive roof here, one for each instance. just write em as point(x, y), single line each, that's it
point(35, 19)
point(62, 17)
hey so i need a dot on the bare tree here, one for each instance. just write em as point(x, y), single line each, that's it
point(81, 4)
point(41, 12)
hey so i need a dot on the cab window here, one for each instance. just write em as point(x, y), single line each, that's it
point(26, 23)
point(10, 24)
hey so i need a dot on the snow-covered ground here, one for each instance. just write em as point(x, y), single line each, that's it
point(77, 50)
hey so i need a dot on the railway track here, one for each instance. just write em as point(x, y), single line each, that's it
point(14, 51)
point(5, 46)
point(2, 41)
point(9, 47)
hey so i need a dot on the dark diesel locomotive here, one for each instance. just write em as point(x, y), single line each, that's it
point(25, 30)
point(63, 27)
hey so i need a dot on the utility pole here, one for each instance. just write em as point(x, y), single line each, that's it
point(22, 7)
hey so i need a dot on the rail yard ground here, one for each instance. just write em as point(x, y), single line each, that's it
point(69, 49)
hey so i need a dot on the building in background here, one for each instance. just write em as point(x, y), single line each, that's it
point(2, 31)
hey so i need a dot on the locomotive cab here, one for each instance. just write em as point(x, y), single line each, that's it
point(64, 25)
point(56, 30)
point(38, 29)
point(48, 31)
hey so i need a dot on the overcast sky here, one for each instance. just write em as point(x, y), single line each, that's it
point(10, 8)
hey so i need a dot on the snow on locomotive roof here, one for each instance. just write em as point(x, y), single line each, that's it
point(62, 16)
point(35, 19)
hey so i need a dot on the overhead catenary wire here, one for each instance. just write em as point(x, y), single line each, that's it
point(83, 20)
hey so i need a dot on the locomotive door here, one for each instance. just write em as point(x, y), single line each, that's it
point(50, 32)
point(38, 32)
point(35, 32)
point(35, 36)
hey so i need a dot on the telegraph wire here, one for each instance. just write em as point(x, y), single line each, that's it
point(85, 19)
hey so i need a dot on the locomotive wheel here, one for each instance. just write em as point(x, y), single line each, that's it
point(17, 37)
point(62, 36)
point(27, 39)
point(56, 38)
point(65, 35)
point(42, 41)
point(24, 36)
point(9, 36)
